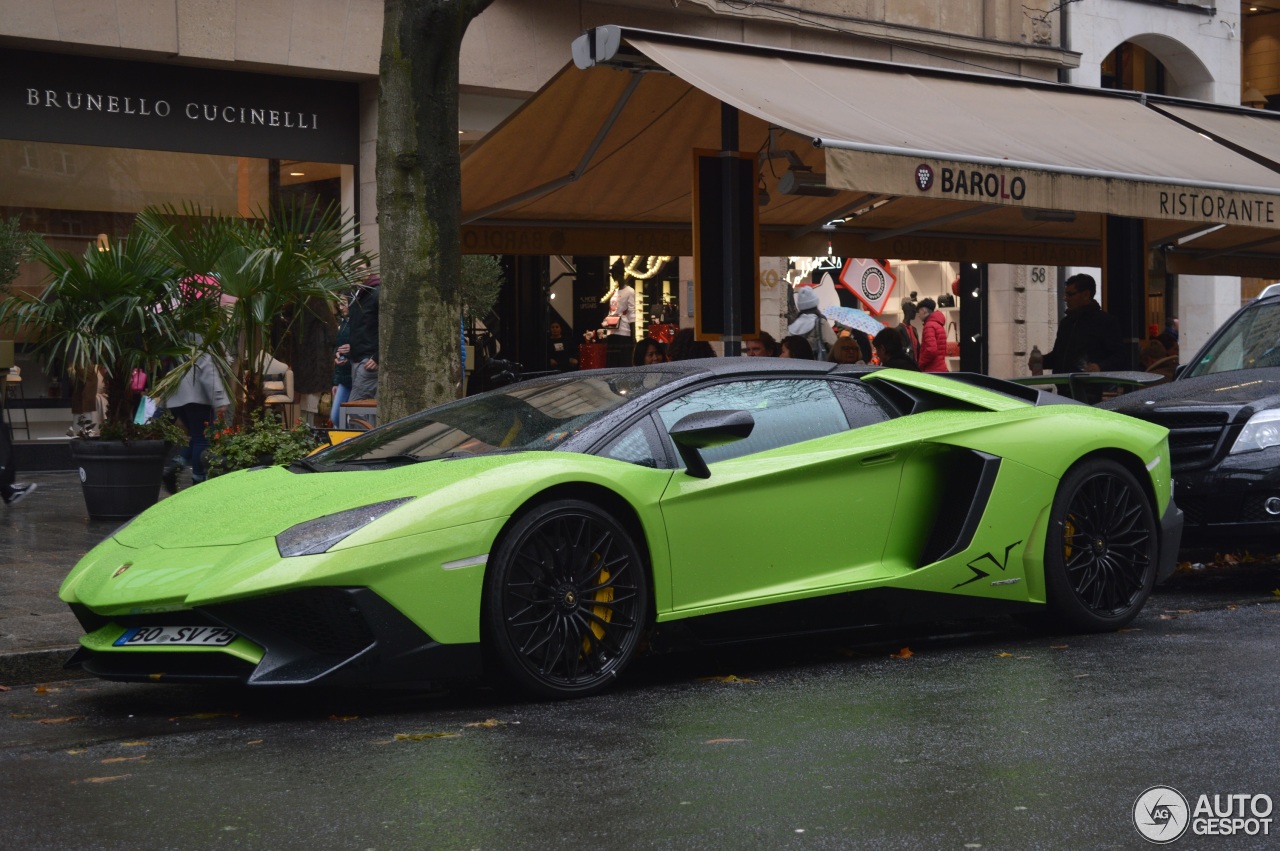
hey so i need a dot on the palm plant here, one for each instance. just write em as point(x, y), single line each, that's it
point(118, 310)
point(265, 271)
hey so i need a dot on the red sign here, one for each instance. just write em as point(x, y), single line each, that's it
point(870, 281)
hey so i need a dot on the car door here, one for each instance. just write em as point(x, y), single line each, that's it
point(804, 503)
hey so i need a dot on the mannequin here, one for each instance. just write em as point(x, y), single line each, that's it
point(621, 318)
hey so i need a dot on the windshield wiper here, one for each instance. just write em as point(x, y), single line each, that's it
point(306, 465)
point(403, 458)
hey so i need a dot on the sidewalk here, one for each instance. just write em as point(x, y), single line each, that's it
point(41, 539)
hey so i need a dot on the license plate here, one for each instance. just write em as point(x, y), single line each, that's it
point(176, 636)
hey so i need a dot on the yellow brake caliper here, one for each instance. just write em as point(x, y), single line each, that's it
point(603, 595)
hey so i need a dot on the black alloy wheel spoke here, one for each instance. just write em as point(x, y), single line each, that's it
point(555, 622)
point(1109, 544)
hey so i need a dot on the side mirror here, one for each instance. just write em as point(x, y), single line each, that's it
point(706, 429)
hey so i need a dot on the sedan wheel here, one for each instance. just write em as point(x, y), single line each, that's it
point(1101, 549)
point(565, 600)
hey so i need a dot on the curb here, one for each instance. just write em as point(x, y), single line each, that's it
point(37, 666)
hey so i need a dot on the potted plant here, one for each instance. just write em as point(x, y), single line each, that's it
point(116, 311)
point(265, 271)
point(262, 441)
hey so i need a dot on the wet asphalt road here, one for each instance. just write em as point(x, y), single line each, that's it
point(994, 738)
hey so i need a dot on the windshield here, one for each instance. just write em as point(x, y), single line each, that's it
point(1251, 342)
point(531, 416)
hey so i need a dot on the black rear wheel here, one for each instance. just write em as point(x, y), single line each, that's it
point(566, 600)
point(1101, 549)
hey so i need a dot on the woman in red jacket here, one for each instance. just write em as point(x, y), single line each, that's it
point(933, 338)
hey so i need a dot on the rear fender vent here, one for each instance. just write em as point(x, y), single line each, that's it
point(968, 478)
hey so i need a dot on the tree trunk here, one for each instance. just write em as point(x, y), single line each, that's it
point(420, 203)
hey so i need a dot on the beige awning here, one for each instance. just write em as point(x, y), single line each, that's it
point(923, 163)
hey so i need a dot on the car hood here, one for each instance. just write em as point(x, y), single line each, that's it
point(1256, 389)
point(261, 503)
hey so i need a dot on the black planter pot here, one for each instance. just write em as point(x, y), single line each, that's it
point(120, 480)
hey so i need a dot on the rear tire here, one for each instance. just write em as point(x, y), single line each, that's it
point(566, 600)
point(1101, 549)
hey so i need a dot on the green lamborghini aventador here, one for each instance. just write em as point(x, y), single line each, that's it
point(542, 533)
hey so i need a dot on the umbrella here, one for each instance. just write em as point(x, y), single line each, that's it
point(852, 317)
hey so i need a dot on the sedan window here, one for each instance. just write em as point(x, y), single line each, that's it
point(1251, 342)
point(786, 411)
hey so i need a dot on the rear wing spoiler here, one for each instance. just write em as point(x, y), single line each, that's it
point(1076, 385)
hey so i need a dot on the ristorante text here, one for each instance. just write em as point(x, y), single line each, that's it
point(1210, 205)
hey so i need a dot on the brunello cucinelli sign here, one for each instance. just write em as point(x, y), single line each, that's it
point(80, 100)
point(893, 174)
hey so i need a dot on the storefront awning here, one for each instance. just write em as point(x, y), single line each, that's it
point(914, 162)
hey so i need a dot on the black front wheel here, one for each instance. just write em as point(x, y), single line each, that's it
point(566, 600)
point(1101, 549)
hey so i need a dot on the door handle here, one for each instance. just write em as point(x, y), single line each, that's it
point(882, 458)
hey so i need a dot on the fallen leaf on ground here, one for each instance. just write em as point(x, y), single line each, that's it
point(422, 737)
point(4, 688)
point(75, 752)
point(112, 759)
point(1166, 617)
point(134, 744)
point(904, 653)
point(254, 742)
point(61, 720)
point(204, 716)
point(722, 741)
point(491, 722)
point(1059, 646)
point(41, 689)
point(728, 678)
point(1185, 611)
point(104, 779)
point(343, 717)
point(1003, 655)
point(1275, 592)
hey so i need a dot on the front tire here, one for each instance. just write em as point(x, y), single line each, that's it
point(566, 600)
point(1101, 549)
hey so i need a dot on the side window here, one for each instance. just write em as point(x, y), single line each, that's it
point(861, 406)
point(787, 410)
point(636, 446)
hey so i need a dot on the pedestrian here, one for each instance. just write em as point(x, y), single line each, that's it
point(341, 383)
point(907, 331)
point(362, 308)
point(888, 345)
point(685, 347)
point(846, 350)
point(199, 399)
point(811, 324)
point(795, 346)
point(562, 351)
point(764, 346)
point(933, 337)
point(10, 491)
point(1089, 338)
point(647, 352)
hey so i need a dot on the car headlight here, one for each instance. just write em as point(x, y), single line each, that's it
point(1262, 430)
point(319, 535)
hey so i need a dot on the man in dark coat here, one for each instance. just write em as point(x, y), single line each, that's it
point(363, 316)
point(1089, 339)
